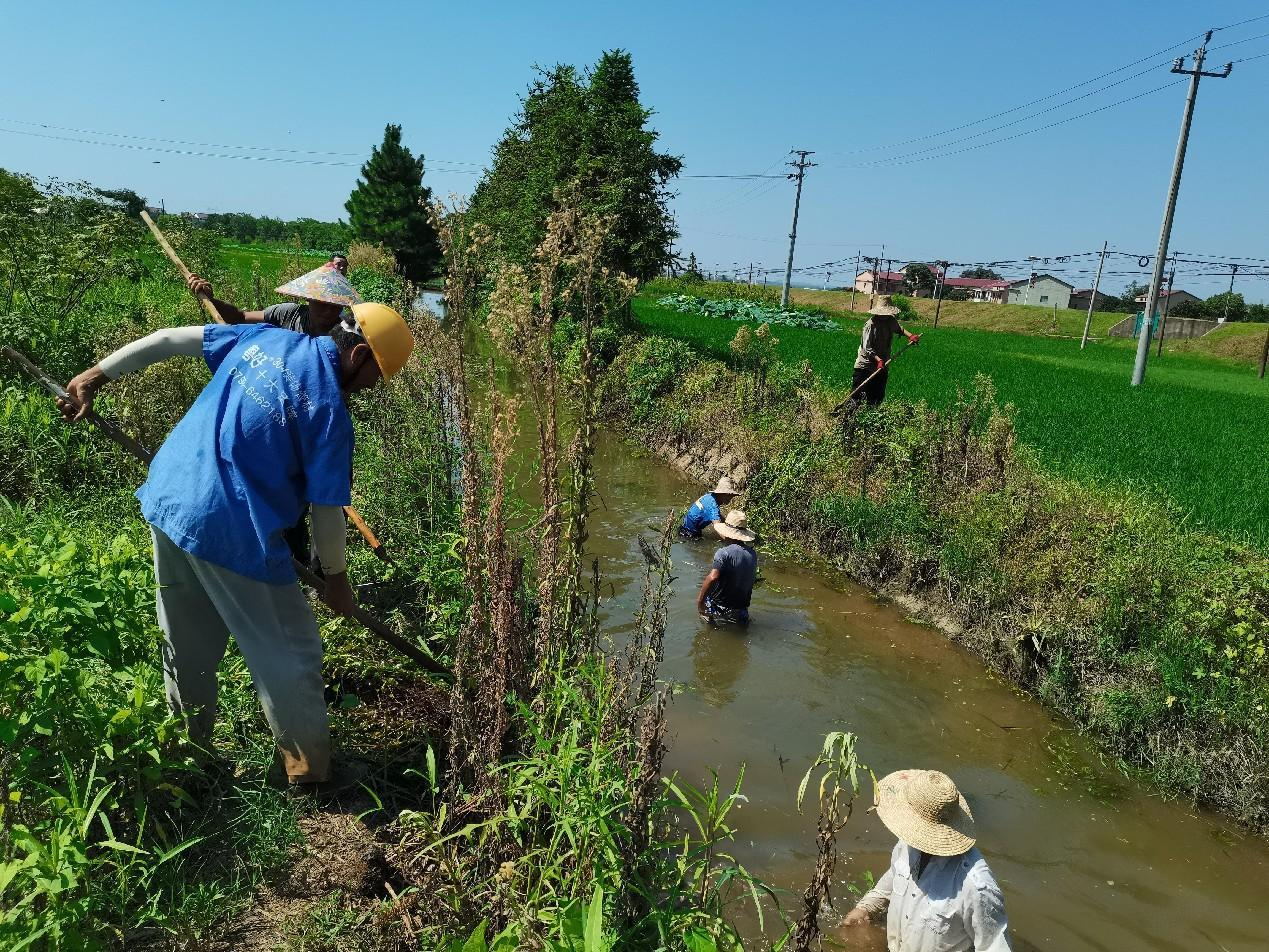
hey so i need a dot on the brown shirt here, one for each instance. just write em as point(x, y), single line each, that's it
point(876, 340)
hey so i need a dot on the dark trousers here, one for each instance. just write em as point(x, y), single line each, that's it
point(875, 392)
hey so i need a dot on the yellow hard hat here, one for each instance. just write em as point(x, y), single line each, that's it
point(387, 334)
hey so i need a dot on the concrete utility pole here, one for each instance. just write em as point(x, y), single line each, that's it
point(1097, 281)
point(800, 167)
point(939, 287)
point(855, 285)
point(1167, 303)
point(1233, 270)
point(1165, 232)
point(751, 272)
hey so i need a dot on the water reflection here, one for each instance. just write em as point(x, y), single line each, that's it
point(720, 655)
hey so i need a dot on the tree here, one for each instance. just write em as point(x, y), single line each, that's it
point(1134, 291)
point(389, 207)
point(1228, 304)
point(981, 272)
point(693, 272)
point(918, 278)
point(586, 132)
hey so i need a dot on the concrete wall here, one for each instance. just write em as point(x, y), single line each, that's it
point(1044, 293)
point(1177, 328)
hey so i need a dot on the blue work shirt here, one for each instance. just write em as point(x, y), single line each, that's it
point(700, 514)
point(269, 435)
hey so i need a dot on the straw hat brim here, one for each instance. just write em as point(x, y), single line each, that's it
point(950, 838)
point(322, 284)
point(885, 310)
point(731, 532)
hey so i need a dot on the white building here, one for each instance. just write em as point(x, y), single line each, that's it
point(1041, 290)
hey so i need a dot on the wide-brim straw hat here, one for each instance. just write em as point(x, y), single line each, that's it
point(925, 810)
point(883, 308)
point(725, 487)
point(735, 527)
point(322, 284)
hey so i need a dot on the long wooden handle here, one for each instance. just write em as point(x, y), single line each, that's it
point(371, 540)
point(203, 299)
point(367, 620)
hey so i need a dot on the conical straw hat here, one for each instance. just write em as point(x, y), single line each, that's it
point(322, 284)
point(726, 487)
point(925, 810)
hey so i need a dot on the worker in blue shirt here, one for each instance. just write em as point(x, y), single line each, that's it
point(267, 437)
point(706, 511)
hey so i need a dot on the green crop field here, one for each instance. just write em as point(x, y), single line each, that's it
point(1197, 433)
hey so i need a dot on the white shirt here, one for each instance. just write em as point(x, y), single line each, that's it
point(956, 906)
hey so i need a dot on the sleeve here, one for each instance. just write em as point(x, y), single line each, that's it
point(330, 536)
point(220, 339)
point(985, 917)
point(326, 445)
point(865, 341)
point(709, 506)
point(877, 900)
point(279, 314)
point(721, 561)
point(169, 342)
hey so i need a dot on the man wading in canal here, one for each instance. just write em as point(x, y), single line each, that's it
point(874, 352)
point(268, 436)
point(728, 586)
point(938, 894)
point(706, 511)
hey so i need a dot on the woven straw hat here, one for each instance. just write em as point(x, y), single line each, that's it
point(883, 308)
point(735, 527)
point(725, 487)
point(925, 810)
point(322, 284)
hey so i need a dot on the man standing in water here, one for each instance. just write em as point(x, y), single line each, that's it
point(325, 293)
point(874, 352)
point(706, 510)
point(728, 587)
point(938, 894)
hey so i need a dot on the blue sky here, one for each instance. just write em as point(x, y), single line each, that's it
point(735, 86)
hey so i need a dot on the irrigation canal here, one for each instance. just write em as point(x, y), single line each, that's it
point(1087, 858)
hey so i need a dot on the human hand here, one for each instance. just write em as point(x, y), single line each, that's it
point(338, 595)
point(856, 917)
point(913, 339)
point(198, 287)
point(79, 394)
point(881, 364)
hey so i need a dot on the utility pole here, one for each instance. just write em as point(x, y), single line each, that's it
point(1097, 281)
point(751, 273)
point(800, 167)
point(1165, 232)
point(1233, 270)
point(940, 285)
point(1167, 303)
point(856, 284)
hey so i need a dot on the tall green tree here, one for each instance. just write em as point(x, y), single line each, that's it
point(587, 132)
point(980, 272)
point(389, 207)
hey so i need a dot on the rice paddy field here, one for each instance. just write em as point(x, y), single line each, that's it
point(1195, 436)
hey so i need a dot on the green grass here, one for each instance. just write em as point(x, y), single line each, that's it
point(1195, 434)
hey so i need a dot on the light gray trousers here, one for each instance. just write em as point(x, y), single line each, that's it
point(199, 605)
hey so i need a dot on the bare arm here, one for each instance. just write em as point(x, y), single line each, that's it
point(230, 313)
point(706, 585)
point(874, 902)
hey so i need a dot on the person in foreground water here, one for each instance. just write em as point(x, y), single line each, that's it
point(728, 586)
point(938, 895)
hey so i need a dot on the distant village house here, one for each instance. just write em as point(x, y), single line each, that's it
point(1081, 298)
point(1172, 299)
point(1043, 290)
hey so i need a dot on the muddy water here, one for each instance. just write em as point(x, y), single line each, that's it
point(1086, 858)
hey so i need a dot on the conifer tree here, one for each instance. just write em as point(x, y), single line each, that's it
point(389, 207)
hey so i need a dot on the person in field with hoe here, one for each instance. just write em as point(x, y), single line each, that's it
point(872, 363)
point(938, 895)
point(267, 437)
point(324, 291)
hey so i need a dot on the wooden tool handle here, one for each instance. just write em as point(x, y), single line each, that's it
point(203, 299)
